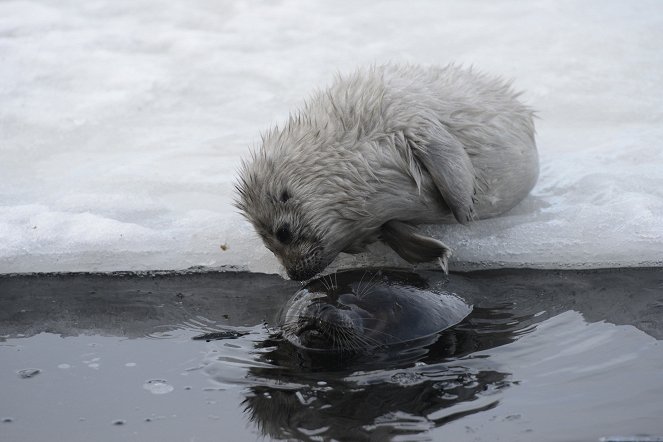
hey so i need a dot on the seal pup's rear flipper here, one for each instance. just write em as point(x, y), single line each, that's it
point(449, 165)
point(413, 247)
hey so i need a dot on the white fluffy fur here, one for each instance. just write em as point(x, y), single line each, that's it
point(382, 150)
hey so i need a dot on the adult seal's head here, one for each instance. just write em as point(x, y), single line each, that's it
point(356, 311)
point(381, 151)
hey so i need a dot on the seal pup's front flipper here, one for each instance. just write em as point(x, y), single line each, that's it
point(413, 247)
point(449, 165)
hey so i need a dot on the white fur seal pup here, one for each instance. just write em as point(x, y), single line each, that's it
point(380, 151)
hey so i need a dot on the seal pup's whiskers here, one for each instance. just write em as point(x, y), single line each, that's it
point(331, 284)
point(324, 283)
point(363, 291)
point(371, 284)
point(359, 283)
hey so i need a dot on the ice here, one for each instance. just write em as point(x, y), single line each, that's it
point(122, 123)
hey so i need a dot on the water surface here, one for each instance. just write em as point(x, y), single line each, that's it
point(544, 355)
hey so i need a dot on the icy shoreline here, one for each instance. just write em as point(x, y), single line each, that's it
point(123, 122)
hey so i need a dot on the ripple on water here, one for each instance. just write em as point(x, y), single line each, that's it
point(158, 386)
point(28, 373)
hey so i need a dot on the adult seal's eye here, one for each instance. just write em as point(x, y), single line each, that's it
point(283, 234)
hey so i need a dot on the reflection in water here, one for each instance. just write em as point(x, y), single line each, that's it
point(342, 410)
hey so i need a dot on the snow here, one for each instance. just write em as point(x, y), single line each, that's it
point(122, 123)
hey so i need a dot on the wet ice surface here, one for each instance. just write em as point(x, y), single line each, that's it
point(122, 123)
point(546, 356)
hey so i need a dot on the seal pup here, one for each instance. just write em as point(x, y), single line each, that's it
point(354, 311)
point(383, 150)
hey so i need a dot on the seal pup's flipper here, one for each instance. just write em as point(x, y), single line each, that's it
point(404, 239)
point(449, 165)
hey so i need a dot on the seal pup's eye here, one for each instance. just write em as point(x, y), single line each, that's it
point(285, 196)
point(283, 234)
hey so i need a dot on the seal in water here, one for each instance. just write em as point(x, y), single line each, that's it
point(381, 151)
point(352, 312)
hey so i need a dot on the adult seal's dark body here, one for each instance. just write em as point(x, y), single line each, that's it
point(381, 151)
point(356, 311)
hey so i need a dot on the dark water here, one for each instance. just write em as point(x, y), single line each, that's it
point(544, 356)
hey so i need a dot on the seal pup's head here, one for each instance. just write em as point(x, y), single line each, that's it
point(303, 207)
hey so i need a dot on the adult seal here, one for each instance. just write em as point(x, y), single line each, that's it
point(381, 151)
point(352, 312)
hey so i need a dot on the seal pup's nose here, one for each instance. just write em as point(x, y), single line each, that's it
point(301, 274)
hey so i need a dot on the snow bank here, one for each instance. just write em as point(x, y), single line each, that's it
point(122, 123)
